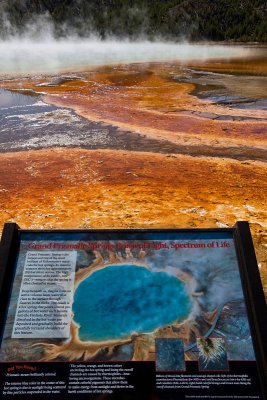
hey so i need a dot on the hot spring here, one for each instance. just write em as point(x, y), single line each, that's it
point(119, 300)
point(23, 56)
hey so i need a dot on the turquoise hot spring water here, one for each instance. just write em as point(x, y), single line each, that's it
point(116, 301)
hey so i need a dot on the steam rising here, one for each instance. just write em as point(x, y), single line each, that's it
point(218, 279)
point(28, 56)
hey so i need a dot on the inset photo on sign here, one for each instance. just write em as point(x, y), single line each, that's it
point(170, 355)
point(212, 354)
point(144, 287)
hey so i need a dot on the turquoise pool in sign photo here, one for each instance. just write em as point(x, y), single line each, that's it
point(118, 300)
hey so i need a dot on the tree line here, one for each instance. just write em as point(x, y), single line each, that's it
point(219, 20)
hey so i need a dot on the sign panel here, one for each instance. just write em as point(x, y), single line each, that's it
point(125, 314)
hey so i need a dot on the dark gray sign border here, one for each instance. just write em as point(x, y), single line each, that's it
point(248, 267)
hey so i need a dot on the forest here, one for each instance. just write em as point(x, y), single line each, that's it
point(193, 20)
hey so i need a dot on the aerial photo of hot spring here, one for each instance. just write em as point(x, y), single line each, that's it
point(165, 297)
point(134, 114)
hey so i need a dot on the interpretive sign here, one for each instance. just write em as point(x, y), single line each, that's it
point(131, 314)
